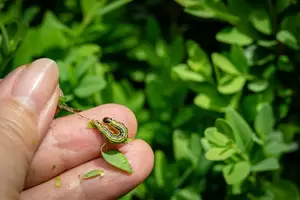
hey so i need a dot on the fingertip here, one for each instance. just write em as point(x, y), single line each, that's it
point(141, 158)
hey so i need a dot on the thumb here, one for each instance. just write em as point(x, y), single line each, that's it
point(20, 111)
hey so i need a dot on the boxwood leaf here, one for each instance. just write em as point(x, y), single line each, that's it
point(261, 21)
point(288, 39)
point(231, 84)
point(223, 63)
point(243, 133)
point(90, 85)
point(237, 172)
point(223, 127)
point(233, 36)
point(215, 138)
point(219, 153)
point(268, 164)
point(198, 60)
point(264, 121)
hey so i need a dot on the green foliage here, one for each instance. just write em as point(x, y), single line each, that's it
point(221, 114)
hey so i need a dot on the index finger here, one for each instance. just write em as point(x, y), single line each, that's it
point(70, 143)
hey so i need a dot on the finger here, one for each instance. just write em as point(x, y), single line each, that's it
point(48, 113)
point(112, 185)
point(21, 106)
point(70, 143)
point(7, 83)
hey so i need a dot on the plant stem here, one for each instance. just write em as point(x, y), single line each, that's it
point(185, 175)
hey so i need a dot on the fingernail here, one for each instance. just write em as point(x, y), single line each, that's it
point(36, 84)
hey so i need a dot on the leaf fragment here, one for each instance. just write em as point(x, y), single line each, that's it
point(117, 159)
point(58, 182)
point(93, 174)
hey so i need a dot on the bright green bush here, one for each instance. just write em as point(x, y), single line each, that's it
point(220, 123)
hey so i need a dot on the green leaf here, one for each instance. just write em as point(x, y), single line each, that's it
point(30, 13)
point(87, 6)
point(233, 36)
point(290, 22)
point(200, 11)
point(180, 145)
point(281, 5)
point(198, 60)
point(50, 28)
point(231, 84)
point(289, 130)
point(205, 144)
point(223, 127)
point(195, 148)
point(118, 93)
point(288, 39)
point(220, 11)
point(236, 173)
point(257, 55)
point(242, 131)
point(269, 164)
point(224, 64)
point(216, 138)
point(136, 101)
point(117, 159)
point(183, 116)
point(93, 173)
point(82, 52)
point(160, 168)
point(276, 148)
point(284, 64)
point(211, 101)
point(238, 58)
point(112, 6)
point(85, 65)
point(267, 43)
point(264, 121)
point(240, 8)
point(161, 49)
point(90, 85)
point(284, 189)
point(187, 3)
point(185, 74)
point(217, 153)
point(212, 9)
point(261, 21)
point(186, 194)
point(152, 29)
point(176, 50)
point(258, 85)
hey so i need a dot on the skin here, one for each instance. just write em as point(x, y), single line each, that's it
point(64, 147)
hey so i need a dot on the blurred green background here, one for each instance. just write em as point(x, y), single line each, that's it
point(214, 84)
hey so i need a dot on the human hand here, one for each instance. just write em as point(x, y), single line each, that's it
point(34, 148)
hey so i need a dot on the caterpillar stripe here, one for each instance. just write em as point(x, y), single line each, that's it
point(114, 131)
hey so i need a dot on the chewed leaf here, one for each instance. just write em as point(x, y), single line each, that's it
point(117, 159)
point(57, 182)
point(93, 173)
